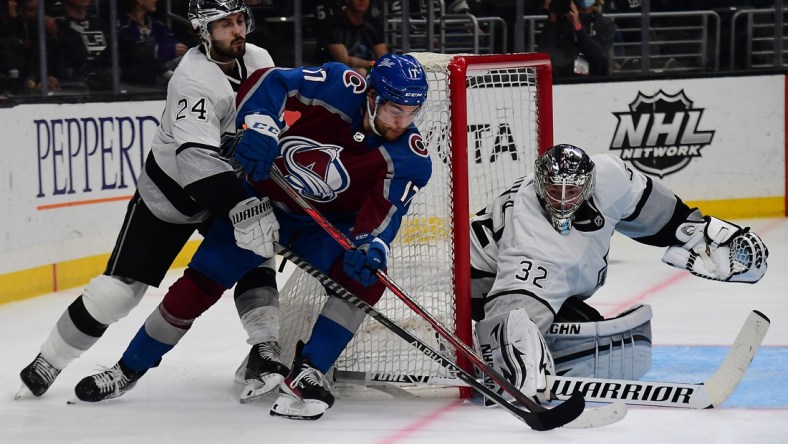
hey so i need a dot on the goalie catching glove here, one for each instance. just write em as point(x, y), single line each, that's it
point(255, 226)
point(514, 347)
point(718, 250)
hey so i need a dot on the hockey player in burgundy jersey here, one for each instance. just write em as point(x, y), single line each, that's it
point(540, 249)
point(355, 154)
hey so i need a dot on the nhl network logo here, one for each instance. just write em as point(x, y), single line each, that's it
point(659, 134)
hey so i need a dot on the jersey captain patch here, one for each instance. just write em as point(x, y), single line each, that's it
point(314, 169)
point(416, 144)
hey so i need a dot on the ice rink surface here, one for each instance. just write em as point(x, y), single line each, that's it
point(191, 396)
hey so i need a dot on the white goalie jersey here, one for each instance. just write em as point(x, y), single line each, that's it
point(190, 150)
point(532, 266)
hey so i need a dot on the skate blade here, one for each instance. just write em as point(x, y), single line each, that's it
point(77, 401)
point(256, 389)
point(23, 392)
point(287, 406)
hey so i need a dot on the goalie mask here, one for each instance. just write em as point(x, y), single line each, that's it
point(564, 180)
point(203, 12)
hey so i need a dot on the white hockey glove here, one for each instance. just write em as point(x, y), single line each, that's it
point(256, 227)
point(718, 250)
point(513, 346)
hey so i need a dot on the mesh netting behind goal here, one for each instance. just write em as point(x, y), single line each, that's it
point(496, 111)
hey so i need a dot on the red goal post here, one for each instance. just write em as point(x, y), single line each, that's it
point(485, 120)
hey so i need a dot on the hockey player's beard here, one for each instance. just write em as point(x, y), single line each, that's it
point(388, 132)
point(231, 51)
point(391, 134)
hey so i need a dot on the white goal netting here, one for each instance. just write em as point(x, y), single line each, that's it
point(503, 132)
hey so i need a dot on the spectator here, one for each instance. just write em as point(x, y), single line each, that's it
point(179, 24)
point(19, 61)
point(12, 33)
point(148, 49)
point(352, 37)
point(81, 48)
point(421, 7)
point(578, 38)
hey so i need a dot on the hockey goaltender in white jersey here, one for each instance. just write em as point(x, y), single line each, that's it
point(540, 249)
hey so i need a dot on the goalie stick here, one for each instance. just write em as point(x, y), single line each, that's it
point(710, 393)
point(537, 416)
point(704, 395)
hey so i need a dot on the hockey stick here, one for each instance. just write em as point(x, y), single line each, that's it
point(538, 417)
point(704, 395)
point(710, 393)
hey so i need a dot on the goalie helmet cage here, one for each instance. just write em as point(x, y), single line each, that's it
point(486, 119)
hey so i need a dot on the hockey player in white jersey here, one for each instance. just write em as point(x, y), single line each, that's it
point(540, 250)
point(187, 184)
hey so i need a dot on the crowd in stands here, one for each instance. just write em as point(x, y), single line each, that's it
point(77, 43)
point(576, 33)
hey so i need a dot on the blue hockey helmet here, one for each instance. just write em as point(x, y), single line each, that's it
point(399, 79)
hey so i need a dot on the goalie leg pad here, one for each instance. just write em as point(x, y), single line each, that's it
point(511, 344)
point(616, 348)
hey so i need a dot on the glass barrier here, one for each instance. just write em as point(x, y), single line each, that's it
point(94, 49)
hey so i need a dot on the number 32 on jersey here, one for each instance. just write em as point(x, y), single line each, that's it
point(531, 273)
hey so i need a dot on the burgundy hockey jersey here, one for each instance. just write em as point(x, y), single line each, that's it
point(327, 156)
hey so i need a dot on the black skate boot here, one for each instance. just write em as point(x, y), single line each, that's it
point(109, 384)
point(37, 377)
point(305, 393)
point(262, 371)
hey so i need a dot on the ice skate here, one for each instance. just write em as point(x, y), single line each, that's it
point(37, 377)
point(109, 384)
point(305, 393)
point(261, 372)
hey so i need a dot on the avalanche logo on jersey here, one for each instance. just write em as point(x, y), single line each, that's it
point(314, 169)
point(354, 80)
point(417, 145)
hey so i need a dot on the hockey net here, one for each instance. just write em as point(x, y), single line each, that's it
point(486, 119)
